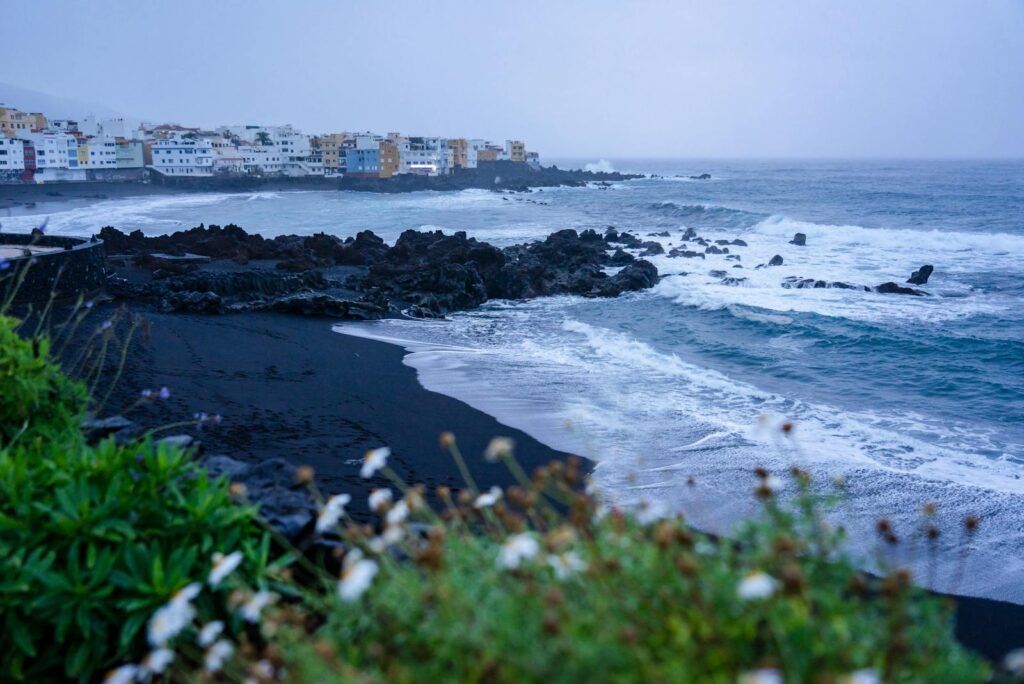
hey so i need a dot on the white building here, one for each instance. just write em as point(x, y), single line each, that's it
point(428, 156)
point(112, 127)
point(183, 156)
point(54, 150)
point(274, 149)
point(472, 147)
point(265, 160)
point(12, 154)
point(228, 159)
point(100, 152)
point(64, 125)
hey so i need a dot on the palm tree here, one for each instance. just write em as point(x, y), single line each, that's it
point(263, 138)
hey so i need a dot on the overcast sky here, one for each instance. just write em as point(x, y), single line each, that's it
point(673, 78)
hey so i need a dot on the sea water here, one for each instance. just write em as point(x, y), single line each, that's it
point(907, 399)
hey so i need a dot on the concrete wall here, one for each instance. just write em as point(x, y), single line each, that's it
point(77, 269)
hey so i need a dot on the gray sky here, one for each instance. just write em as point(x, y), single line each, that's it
point(673, 78)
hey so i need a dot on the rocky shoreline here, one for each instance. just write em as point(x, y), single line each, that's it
point(424, 274)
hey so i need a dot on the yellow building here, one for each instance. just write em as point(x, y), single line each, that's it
point(83, 155)
point(485, 154)
point(331, 147)
point(516, 150)
point(38, 120)
point(14, 121)
point(388, 158)
point(460, 152)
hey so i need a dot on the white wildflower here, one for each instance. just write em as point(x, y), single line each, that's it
point(264, 669)
point(377, 545)
point(398, 513)
point(356, 579)
point(223, 566)
point(488, 499)
point(391, 536)
point(332, 512)
point(253, 607)
point(174, 616)
point(516, 549)
point(862, 677)
point(651, 511)
point(188, 592)
point(566, 564)
point(379, 498)
point(374, 460)
point(773, 483)
point(122, 675)
point(756, 585)
point(763, 676)
point(498, 448)
point(157, 661)
point(352, 556)
point(1014, 661)
point(217, 655)
point(209, 633)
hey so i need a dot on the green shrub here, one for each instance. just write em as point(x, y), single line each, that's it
point(36, 400)
point(93, 539)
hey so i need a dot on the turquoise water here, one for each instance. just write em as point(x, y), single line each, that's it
point(910, 398)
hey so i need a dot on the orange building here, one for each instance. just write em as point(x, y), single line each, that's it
point(516, 150)
point(460, 152)
point(487, 154)
point(388, 158)
point(332, 150)
point(14, 122)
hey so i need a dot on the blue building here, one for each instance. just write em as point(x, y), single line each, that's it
point(363, 162)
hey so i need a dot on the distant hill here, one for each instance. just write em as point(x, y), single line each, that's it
point(53, 106)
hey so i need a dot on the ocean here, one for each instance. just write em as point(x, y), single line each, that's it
point(679, 392)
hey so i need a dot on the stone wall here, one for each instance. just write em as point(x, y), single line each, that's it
point(78, 268)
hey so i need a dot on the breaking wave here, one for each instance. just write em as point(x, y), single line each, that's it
point(706, 215)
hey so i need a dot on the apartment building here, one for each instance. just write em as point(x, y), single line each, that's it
point(12, 155)
point(183, 156)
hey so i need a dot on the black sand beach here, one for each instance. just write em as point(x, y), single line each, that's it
point(290, 387)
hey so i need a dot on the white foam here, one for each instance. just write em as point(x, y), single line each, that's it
point(600, 166)
point(651, 419)
point(849, 254)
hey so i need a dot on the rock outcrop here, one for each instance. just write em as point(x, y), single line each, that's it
point(425, 273)
point(893, 288)
point(921, 275)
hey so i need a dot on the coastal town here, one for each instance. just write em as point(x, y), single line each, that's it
point(35, 148)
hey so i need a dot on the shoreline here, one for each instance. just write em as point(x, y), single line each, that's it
point(497, 176)
point(291, 387)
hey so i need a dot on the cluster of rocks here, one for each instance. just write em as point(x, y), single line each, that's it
point(292, 252)
point(427, 274)
point(703, 247)
point(437, 273)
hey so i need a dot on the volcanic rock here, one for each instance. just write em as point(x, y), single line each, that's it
point(920, 276)
point(893, 288)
